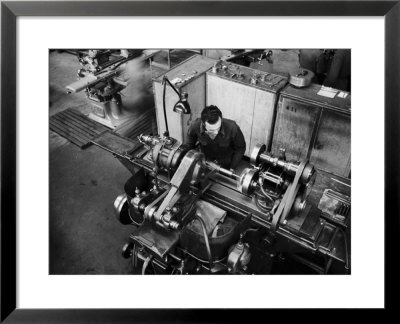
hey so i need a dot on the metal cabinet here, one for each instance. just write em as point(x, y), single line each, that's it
point(248, 97)
point(189, 77)
point(332, 145)
point(310, 125)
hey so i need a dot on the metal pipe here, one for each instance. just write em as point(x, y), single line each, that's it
point(146, 263)
point(165, 111)
point(203, 226)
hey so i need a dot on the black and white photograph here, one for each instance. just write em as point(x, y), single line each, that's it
point(183, 161)
point(197, 161)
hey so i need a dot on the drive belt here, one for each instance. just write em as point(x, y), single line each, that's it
point(147, 209)
point(287, 200)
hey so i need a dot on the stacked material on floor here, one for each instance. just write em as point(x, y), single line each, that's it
point(145, 123)
point(81, 130)
point(76, 127)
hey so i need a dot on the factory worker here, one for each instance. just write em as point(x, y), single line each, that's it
point(339, 73)
point(220, 139)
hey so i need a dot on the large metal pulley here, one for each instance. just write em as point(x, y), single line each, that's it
point(121, 209)
point(255, 154)
point(248, 181)
point(307, 174)
point(299, 205)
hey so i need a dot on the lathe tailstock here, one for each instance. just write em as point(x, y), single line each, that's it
point(190, 216)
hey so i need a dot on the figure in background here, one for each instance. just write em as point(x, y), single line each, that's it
point(220, 139)
point(339, 73)
point(308, 59)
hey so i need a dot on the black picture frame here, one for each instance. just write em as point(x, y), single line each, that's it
point(11, 10)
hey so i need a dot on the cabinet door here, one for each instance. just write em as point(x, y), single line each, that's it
point(294, 128)
point(264, 110)
point(236, 102)
point(331, 149)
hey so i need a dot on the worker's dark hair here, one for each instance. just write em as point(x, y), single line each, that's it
point(211, 114)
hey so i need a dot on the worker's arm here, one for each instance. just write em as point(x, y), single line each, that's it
point(239, 147)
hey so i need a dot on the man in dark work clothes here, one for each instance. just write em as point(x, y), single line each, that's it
point(339, 74)
point(220, 139)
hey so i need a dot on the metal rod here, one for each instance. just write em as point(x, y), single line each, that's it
point(342, 200)
point(345, 184)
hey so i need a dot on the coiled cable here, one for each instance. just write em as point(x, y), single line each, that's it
point(259, 205)
point(263, 190)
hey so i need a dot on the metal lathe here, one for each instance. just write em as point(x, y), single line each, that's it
point(190, 216)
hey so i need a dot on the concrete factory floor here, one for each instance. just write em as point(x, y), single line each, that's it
point(85, 237)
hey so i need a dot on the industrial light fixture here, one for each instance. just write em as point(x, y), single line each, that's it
point(182, 106)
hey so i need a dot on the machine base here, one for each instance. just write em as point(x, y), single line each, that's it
point(111, 122)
